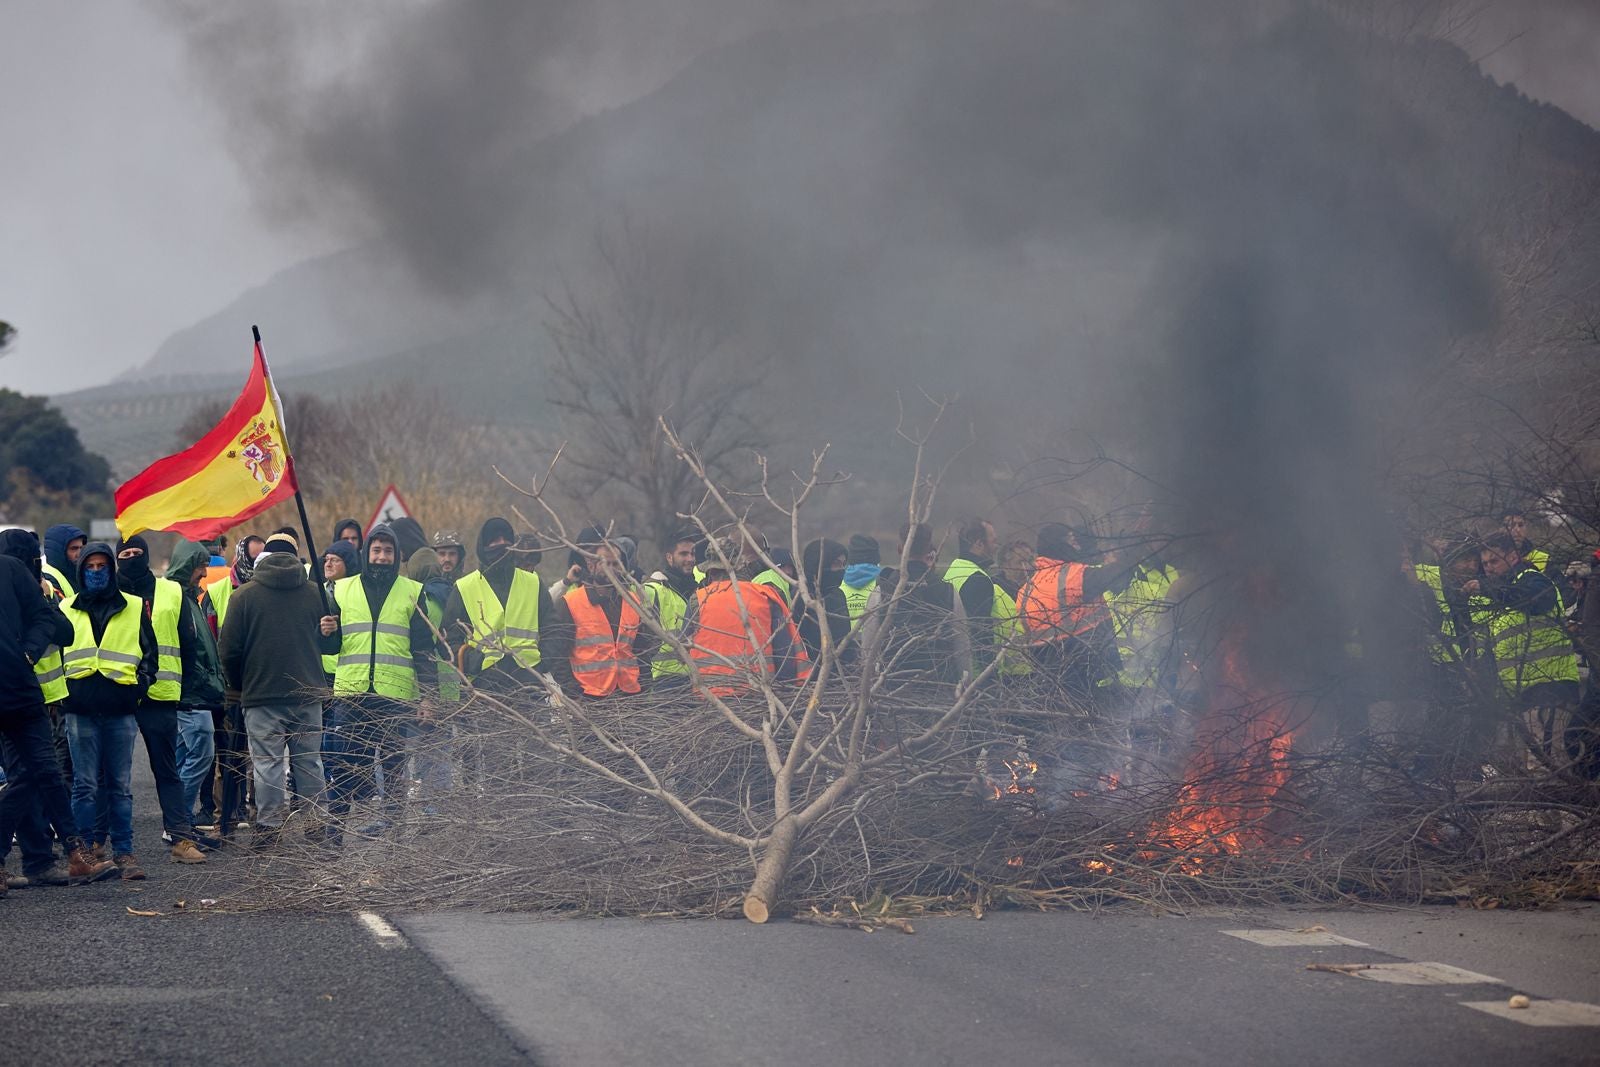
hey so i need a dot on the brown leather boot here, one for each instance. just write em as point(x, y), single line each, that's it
point(128, 864)
point(82, 866)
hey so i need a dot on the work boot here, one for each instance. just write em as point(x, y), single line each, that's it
point(100, 850)
point(129, 866)
point(84, 866)
point(17, 881)
point(55, 874)
point(185, 852)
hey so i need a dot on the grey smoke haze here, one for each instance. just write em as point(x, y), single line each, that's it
point(1202, 232)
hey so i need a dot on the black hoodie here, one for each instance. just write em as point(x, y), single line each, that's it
point(95, 693)
point(29, 623)
point(457, 625)
point(135, 576)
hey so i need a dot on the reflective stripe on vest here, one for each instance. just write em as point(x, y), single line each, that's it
point(166, 606)
point(602, 661)
point(1007, 627)
point(733, 635)
point(375, 654)
point(1051, 605)
point(118, 654)
point(671, 610)
point(1137, 614)
point(777, 580)
point(504, 630)
point(220, 591)
point(1528, 650)
point(52, 676)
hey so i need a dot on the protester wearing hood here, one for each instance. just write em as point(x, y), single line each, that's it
point(992, 623)
point(353, 534)
point(220, 592)
point(386, 651)
point(925, 639)
point(62, 544)
point(497, 617)
point(33, 830)
point(200, 704)
point(408, 537)
point(824, 563)
point(451, 552)
point(338, 563)
point(670, 591)
point(862, 567)
point(110, 666)
point(597, 645)
point(271, 656)
point(29, 626)
point(157, 714)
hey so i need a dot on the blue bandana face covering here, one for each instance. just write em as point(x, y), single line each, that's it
point(97, 580)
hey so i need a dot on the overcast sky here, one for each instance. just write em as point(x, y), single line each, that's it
point(126, 219)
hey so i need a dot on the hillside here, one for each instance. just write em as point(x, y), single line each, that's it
point(983, 201)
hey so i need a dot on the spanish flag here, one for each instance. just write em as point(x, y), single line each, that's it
point(237, 470)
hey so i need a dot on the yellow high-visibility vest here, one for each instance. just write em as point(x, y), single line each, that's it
point(118, 653)
point(165, 609)
point(375, 653)
point(500, 630)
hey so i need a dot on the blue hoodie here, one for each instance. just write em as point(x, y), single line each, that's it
point(56, 539)
point(861, 575)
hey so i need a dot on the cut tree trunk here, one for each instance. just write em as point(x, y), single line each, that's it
point(774, 864)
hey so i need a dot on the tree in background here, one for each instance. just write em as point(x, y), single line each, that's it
point(8, 336)
point(347, 449)
point(652, 339)
point(45, 473)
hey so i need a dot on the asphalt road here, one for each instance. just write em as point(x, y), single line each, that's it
point(84, 980)
point(1105, 990)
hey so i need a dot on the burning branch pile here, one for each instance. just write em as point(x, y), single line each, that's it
point(876, 773)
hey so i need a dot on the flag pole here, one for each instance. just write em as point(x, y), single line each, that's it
point(299, 501)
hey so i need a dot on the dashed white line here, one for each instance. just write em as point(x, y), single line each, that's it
point(1541, 1012)
point(380, 928)
point(1424, 974)
point(1288, 938)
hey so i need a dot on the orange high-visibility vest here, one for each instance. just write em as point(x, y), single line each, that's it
point(602, 661)
point(733, 638)
point(1051, 603)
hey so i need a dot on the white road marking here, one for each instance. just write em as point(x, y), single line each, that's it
point(380, 927)
point(1424, 974)
point(1541, 1012)
point(1288, 938)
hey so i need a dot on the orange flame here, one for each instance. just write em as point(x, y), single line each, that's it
point(1240, 763)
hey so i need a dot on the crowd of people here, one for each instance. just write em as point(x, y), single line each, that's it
point(281, 684)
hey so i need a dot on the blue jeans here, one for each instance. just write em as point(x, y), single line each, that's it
point(196, 749)
point(102, 745)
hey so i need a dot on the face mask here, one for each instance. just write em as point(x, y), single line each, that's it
point(94, 581)
point(382, 573)
point(493, 554)
point(136, 567)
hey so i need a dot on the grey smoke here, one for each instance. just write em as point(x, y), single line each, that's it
point(1204, 233)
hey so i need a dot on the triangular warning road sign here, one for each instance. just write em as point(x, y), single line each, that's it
point(391, 506)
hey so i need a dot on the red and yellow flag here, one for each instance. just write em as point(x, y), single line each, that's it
point(237, 470)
